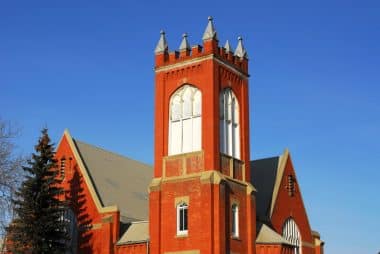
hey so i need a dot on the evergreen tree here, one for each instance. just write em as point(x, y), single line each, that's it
point(39, 226)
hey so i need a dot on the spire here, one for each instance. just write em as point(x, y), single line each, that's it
point(210, 32)
point(162, 45)
point(185, 43)
point(228, 47)
point(240, 50)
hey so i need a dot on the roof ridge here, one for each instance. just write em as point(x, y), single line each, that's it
point(266, 158)
point(111, 152)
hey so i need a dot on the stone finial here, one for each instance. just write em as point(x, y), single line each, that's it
point(210, 32)
point(162, 45)
point(240, 50)
point(228, 47)
point(185, 43)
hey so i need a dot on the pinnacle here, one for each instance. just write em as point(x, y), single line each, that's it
point(228, 47)
point(185, 43)
point(210, 32)
point(162, 45)
point(240, 50)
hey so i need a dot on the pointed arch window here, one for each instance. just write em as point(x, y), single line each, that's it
point(291, 233)
point(229, 124)
point(185, 120)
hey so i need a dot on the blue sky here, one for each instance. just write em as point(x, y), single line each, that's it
point(314, 88)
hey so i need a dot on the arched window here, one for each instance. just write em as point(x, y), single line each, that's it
point(229, 124)
point(185, 120)
point(235, 220)
point(291, 233)
point(182, 219)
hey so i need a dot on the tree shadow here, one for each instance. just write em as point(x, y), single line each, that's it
point(227, 212)
point(77, 201)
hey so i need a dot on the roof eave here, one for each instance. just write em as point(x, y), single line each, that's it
point(132, 242)
point(87, 179)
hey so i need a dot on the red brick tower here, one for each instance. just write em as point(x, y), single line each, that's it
point(201, 198)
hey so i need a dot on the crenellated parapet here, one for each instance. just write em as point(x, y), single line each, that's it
point(210, 46)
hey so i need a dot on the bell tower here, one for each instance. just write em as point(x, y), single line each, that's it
point(201, 199)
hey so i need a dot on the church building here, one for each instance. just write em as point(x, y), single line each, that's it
point(203, 194)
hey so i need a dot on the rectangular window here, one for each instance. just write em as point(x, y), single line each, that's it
point(182, 221)
point(235, 220)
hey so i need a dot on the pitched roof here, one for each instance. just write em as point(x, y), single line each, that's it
point(266, 175)
point(268, 235)
point(263, 177)
point(138, 232)
point(118, 180)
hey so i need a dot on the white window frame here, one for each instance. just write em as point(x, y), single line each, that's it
point(182, 219)
point(235, 220)
point(188, 137)
point(291, 233)
point(229, 123)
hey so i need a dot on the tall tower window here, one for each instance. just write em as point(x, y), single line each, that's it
point(235, 220)
point(182, 219)
point(291, 233)
point(185, 123)
point(229, 124)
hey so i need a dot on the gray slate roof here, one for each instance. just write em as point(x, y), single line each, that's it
point(124, 182)
point(118, 180)
point(263, 177)
point(138, 232)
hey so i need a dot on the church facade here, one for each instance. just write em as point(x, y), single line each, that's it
point(203, 194)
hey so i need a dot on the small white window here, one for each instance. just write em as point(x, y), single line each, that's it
point(229, 124)
point(235, 220)
point(182, 219)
